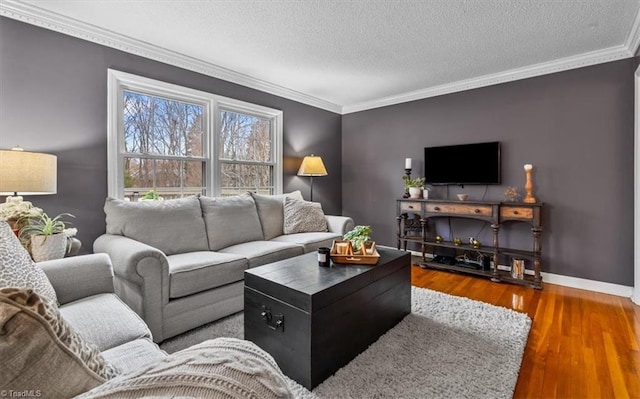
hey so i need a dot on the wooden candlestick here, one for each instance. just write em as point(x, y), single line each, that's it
point(528, 185)
point(407, 171)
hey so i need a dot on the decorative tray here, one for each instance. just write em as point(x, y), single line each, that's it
point(342, 252)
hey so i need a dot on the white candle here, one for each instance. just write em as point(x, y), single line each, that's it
point(407, 163)
point(528, 166)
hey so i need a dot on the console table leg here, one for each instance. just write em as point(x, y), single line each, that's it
point(399, 233)
point(423, 228)
point(537, 249)
point(494, 275)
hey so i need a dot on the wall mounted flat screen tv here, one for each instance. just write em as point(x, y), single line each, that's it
point(477, 163)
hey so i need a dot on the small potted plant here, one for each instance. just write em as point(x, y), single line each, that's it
point(414, 185)
point(151, 195)
point(46, 238)
point(358, 236)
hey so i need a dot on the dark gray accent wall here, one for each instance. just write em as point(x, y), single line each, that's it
point(575, 127)
point(53, 98)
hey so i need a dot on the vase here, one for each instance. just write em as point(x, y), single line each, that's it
point(48, 247)
point(425, 194)
point(414, 192)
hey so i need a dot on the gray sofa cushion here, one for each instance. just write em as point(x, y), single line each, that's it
point(199, 271)
point(133, 355)
point(271, 212)
point(262, 252)
point(310, 241)
point(172, 226)
point(230, 220)
point(104, 321)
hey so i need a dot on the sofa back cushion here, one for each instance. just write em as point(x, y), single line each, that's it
point(230, 220)
point(39, 347)
point(172, 226)
point(18, 270)
point(271, 212)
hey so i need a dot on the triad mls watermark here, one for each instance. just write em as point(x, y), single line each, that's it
point(25, 393)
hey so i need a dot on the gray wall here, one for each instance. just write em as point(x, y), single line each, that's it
point(575, 127)
point(53, 98)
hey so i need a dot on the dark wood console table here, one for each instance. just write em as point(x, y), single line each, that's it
point(494, 213)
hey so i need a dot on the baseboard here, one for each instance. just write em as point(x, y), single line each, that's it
point(573, 282)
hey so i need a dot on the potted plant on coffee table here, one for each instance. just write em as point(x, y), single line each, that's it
point(44, 236)
point(358, 236)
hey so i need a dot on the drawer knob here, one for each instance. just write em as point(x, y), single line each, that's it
point(410, 206)
point(515, 212)
point(436, 208)
point(476, 210)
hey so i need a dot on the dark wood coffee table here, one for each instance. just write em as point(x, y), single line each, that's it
point(313, 320)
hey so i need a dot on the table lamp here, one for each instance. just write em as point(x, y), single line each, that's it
point(26, 173)
point(311, 166)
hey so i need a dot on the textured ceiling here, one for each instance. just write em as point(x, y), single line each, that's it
point(356, 54)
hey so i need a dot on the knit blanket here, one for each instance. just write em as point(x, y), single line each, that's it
point(220, 368)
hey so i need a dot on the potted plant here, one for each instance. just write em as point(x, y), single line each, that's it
point(414, 185)
point(45, 237)
point(151, 195)
point(358, 236)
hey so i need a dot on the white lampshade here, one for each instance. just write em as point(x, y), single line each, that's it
point(312, 165)
point(27, 173)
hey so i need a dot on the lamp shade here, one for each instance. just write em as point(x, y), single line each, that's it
point(27, 173)
point(312, 165)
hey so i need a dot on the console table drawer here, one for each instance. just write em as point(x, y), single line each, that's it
point(484, 210)
point(516, 212)
point(415, 207)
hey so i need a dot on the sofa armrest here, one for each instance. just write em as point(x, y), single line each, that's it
point(79, 276)
point(142, 277)
point(339, 224)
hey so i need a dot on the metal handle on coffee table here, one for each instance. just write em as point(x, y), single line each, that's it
point(273, 321)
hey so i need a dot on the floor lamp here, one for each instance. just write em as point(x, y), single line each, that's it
point(312, 165)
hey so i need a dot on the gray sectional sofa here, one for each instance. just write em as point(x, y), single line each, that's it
point(180, 263)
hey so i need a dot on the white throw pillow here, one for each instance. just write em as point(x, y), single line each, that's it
point(303, 217)
point(17, 268)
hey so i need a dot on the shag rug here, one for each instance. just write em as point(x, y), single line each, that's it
point(448, 347)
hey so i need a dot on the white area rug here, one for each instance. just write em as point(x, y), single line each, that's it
point(448, 347)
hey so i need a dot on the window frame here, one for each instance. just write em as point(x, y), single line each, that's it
point(118, 82)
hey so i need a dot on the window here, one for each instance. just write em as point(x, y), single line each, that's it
point(170, 141)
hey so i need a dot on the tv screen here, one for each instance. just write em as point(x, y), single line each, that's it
point(477, 163)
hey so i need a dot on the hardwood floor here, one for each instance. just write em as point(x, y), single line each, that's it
point(582, 344)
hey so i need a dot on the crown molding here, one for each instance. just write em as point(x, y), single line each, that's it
point(633, 39)
point(36, 16)
point(72, 27)
point(545, 68)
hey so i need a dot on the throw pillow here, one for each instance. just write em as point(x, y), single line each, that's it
point(271, 212)
point(18, 270)
point(37, 346)
point(172, 226)
point(230, 220)
point(303, 217)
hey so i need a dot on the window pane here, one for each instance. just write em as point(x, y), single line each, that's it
point(168, 178)
point(244, 137)
point(138, 173)
point(155, 125)
point(240, 178)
